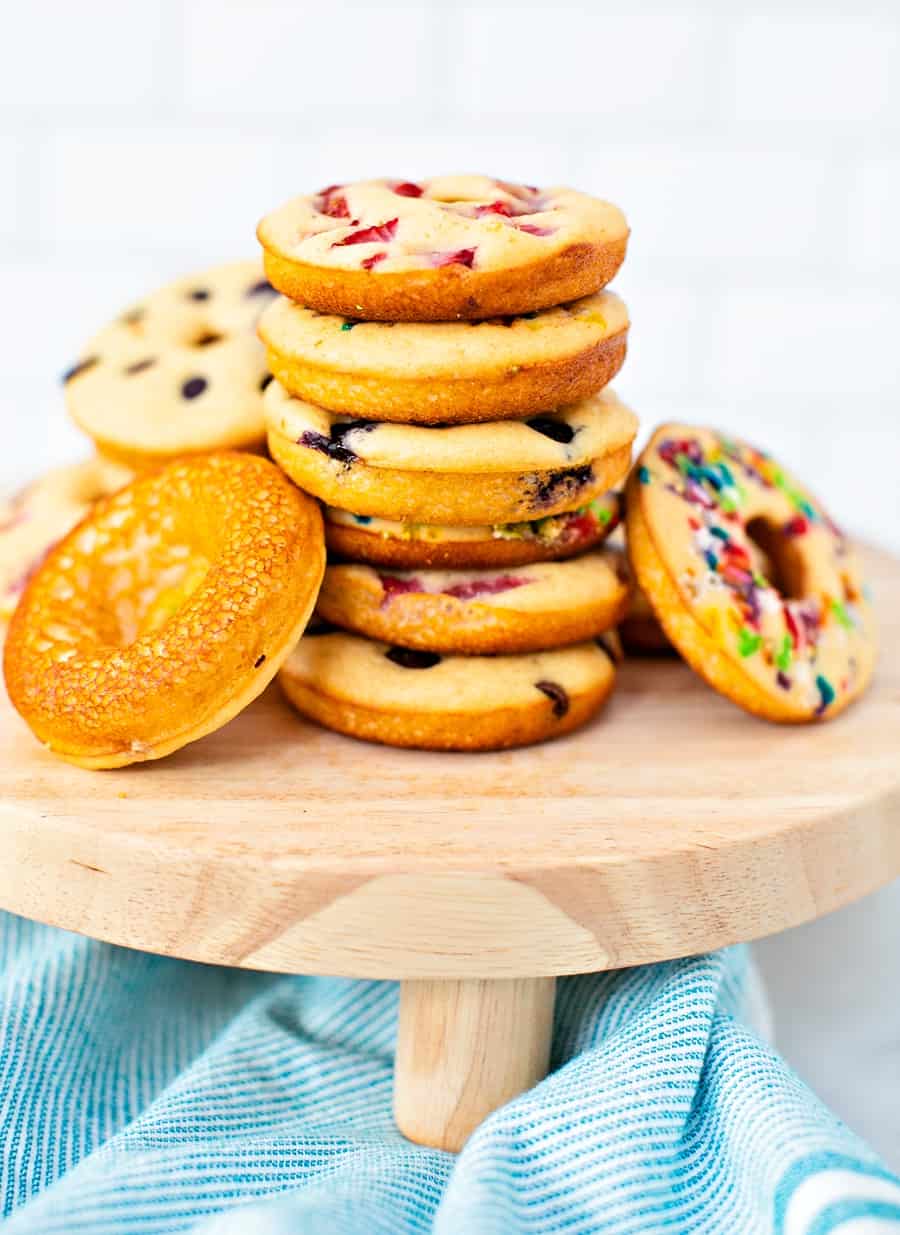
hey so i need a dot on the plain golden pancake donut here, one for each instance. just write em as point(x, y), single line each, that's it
point(35, 519)
point(441, 249)
point(531, 609)
point(411, 546)
point(799, 646)
point(447, 372)
point(179, 373)
point(403, 697)
point(503, 472)
point(166, 611)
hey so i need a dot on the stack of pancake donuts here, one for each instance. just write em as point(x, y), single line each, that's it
point(441, 354)
point(432, 385)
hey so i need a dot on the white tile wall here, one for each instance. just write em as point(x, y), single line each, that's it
point(757, 156)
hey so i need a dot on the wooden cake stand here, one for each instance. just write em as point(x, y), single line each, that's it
point(673, 824)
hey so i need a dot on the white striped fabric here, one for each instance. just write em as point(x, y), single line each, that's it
point(145, 1095)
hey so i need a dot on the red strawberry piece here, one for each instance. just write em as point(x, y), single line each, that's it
point(384, 232)
point(534, 230)
point(484, 587)
point(462, 257)
point(393, 585)
point(332, 202)
point(497, 207)
point(368, 262)
point(406, 188)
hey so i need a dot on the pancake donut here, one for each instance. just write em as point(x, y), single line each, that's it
point(796, 647)
point(411, 546)
point(447, 372)
point(547, 605)
point(166, 611)
point(402, 697)
point(180, 373)
point(35, 519)
point(503, 472)
point(440, 249)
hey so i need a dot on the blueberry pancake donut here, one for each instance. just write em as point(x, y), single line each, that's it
point(503, 472)
point(447, 372)
point(33, 521)
point(402, 697)
point(547, 605)
point(180, 373)
point(441, 249)
point(413, 546)
point(796, 646)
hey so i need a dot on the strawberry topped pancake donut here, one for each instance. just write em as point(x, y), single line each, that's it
point(166, 611)
point(447, 372)
point(386, 542)
point(180, 373)
point(796, 646)
point(440, 249)
point(547, 605)
point(501, 472)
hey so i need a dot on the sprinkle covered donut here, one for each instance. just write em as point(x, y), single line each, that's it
point(494, 473)
point(179, 373)
point(387, 542)
point(447, 372)
point(550, 604)
point(797, 646)
point(403, 697)
point(166, 611)
point(34, 520)
point(440, 249)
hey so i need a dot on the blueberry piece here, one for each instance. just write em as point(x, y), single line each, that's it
point(408, 658)
point(81, 367)
point(199, 293)
point(558, 430)
point(262, 288)
point(557, 695)
point(565, 482)
point(193, 387)
point(140, 365)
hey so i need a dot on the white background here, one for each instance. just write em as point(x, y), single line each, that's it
point(755, 149)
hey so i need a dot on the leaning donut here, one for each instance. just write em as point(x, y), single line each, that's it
point(166, 611)
point(794, 644)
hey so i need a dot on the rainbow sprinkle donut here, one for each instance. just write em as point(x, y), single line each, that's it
point(751, 580)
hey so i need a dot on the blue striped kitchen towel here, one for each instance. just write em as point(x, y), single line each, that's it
point(140, 1094)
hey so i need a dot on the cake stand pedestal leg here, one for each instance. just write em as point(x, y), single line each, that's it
point(464, 1048)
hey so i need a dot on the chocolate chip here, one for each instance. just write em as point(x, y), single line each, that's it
point(193, 387)
point(199, 293)
point(81, 367)
point(265, 381)
point(208, 337)
point(140, 365)
point(557, 695)
point(260, 660)
point(262, 288)
point(408, 658)
point(564, 483)
point(558, 430)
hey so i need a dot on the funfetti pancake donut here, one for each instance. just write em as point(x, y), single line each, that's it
point(411, 546)
point(798, 646)
point(165, 611)
point(495, 473)
point(403, 697)
point(441, 249)
point(530, 609)
point(35, 519)
point(447, 372)
point(178, 373)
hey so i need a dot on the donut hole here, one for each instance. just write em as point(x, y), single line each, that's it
point(777, 557)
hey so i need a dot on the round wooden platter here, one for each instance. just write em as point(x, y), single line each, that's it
point(673, 824)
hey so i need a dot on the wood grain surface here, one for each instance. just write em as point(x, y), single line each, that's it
point(672, 824)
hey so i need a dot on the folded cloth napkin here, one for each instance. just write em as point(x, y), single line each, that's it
point(143, 1094)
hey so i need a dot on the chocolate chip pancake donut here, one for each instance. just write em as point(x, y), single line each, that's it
point(440, 249)
point(501, 472)
point(179, 373)
point(447, 372)
point(402, 697)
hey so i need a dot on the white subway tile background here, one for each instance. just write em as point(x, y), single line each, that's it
point(757, 156)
